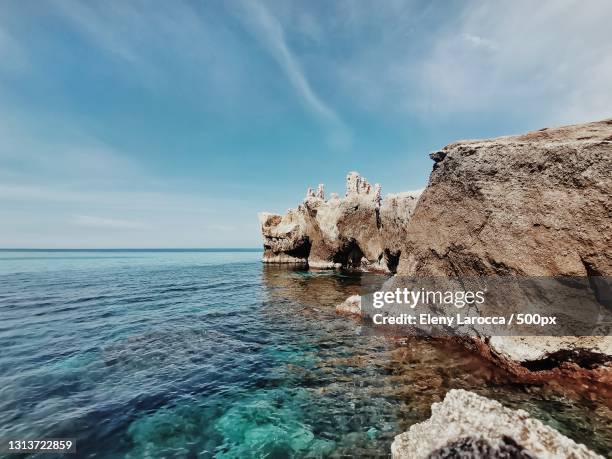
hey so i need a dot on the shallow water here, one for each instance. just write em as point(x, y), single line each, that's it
point(210, 354)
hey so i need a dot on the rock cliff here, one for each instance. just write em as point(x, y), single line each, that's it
point(538, 204)
point(362, 230)
point(468, 425)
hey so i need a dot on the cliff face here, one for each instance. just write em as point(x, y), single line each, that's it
point(538, 204)
point(363, 230)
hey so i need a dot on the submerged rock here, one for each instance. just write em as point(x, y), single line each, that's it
point(466, 425)
point(363, 230)
point(350, 306)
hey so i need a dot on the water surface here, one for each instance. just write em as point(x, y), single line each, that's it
point(211, 354)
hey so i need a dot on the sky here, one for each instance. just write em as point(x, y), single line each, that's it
point(128, 123)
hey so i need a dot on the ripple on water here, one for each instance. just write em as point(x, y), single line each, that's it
point(179, 356)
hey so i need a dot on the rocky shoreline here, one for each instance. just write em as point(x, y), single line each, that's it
point(538, 204)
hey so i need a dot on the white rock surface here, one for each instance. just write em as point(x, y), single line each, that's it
point(530, 348)
point(466, 415)
point(350, 306)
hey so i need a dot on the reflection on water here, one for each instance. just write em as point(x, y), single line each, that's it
point(397, 381)
point(183, 355)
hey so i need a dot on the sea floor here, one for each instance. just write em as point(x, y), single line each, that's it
point(198, 355)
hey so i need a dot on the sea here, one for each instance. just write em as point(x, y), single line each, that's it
point(211, 354)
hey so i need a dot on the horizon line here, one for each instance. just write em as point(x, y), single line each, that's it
point(184, 249)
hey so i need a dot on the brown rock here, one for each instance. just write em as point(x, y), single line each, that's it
point(538, 204)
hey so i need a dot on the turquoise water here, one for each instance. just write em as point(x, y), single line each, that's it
point(212, 354)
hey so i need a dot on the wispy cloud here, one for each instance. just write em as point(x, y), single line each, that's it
point(268, 29)
point(12, 56)
point(547, 63)
point(120, 199)
point(100, 23)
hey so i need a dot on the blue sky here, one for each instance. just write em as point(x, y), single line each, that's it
point(171, 124)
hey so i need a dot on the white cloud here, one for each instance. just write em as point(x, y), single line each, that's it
point(550, 61)
point(269, 31)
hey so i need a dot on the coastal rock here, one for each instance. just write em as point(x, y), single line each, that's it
point(540, 358)
point(538, 204)
point(362, 231)
point(470, 426)
point(350, 306)
point(284, 238)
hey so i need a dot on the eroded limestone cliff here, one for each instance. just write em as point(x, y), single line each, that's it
point(538, 204)
point(362, 230)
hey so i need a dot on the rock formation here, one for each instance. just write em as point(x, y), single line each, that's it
point(468, 425)
point(351, 306)
point(363, 230)
point(538, 204)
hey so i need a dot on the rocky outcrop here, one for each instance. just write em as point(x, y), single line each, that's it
point(466, 425)
point(351, 306)
point(363, 230)
point(285, 239)
point(538, 204)
point(541, 358)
